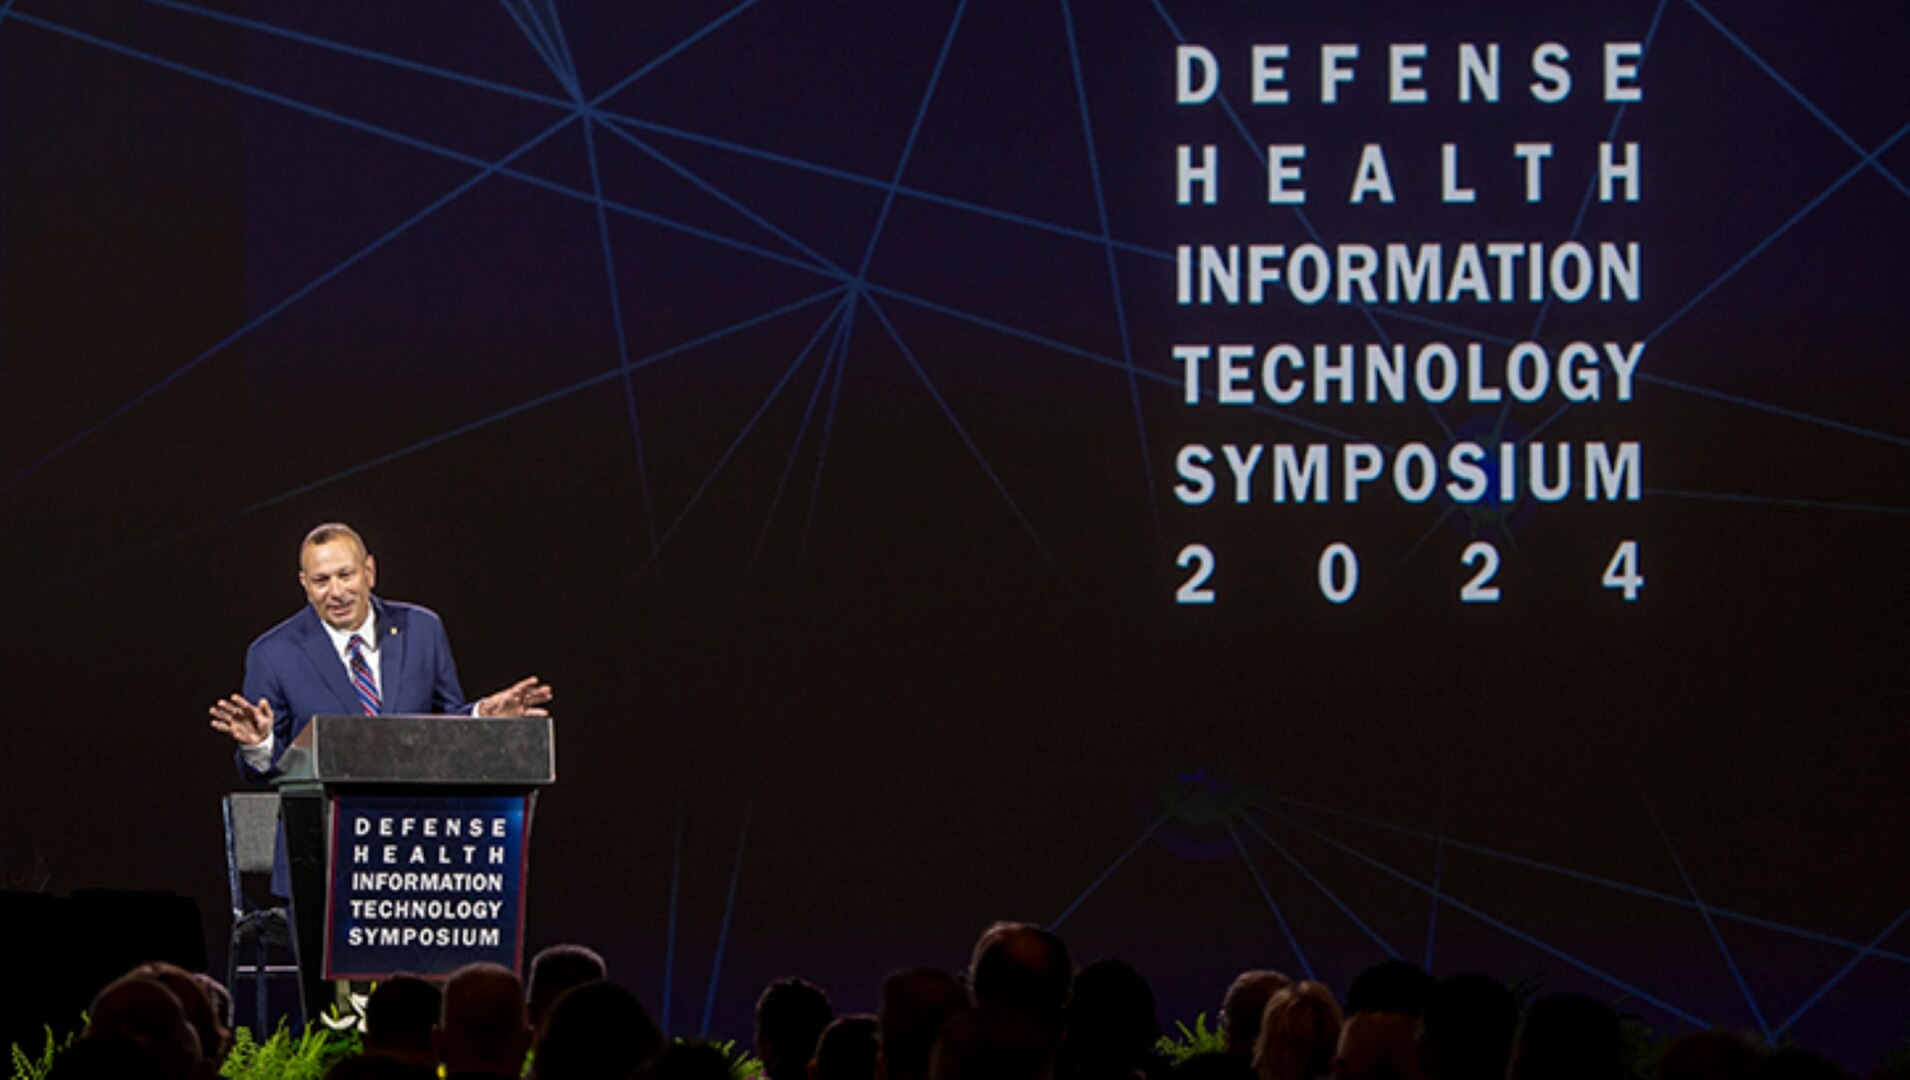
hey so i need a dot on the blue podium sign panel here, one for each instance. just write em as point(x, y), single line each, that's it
point(424, 883)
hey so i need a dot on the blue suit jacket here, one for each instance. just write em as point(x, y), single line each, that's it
point(292, 666)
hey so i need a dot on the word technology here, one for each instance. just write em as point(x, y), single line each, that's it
point(1284, 373)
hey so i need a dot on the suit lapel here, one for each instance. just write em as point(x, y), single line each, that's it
point(331, 669)
point(391, 655)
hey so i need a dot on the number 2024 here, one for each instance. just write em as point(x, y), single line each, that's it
point(1339, 573)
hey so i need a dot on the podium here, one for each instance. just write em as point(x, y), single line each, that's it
point(407, 843)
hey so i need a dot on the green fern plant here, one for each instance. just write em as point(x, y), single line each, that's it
point(285, 1056)
point(743, 1065)
point(1195, 1040)
point(36, 1068)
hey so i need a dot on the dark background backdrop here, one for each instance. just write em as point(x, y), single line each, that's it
point(823, 465)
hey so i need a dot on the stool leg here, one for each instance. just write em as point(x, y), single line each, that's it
point(232, 964)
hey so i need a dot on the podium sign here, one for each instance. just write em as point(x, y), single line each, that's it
point(406, 842)
point(424, 883)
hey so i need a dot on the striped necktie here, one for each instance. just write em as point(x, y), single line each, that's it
point(361, 679)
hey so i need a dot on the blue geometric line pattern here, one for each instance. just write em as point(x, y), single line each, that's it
point(729, 911)
point(849, 177)
point(1439, 873)
point(623, 341)
point(743, 435)
point(967, 439)
point(1710, 924)
point(908, 147)
point(488, 168)
point(1114, 275)
point(1809, 107)
point(1331, 896)
point(1286, 931)
point(1101, 879)
point(749, 215)
point(839, 360)
point(539, 41)
point(363, 54)
point(676, 894)
point(512, 412)
point(823, 378)
point(1849, 174)
point(1849, 966)
point(1497, 924)
point(1579, 875)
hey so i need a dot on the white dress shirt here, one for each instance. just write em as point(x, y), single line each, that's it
point(259, 755)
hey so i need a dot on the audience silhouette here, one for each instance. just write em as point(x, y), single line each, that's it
point(1024, 1013)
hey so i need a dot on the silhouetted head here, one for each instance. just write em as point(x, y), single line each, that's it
point(1797, 1064)
point(379, 1067)
point(1467, 1031)
point(1111, 1021)
point(145, 1010)
point(1378, 1046)
point(790, 1016)
point(483, 1026)
point(214, 1038)
point(1393, 987)
point(1240, 1010)
point(399, 1016)
point(915, 1004)
point(1299, 1033)
point(557, 969)
point(107, 1055)
point(221, 999)
point(991, 1042)
point(1567, 1037)
point(846, 1050)
point(1213, 1066)
point(595, 1030)
point(1023, 967)
point(691, 1061)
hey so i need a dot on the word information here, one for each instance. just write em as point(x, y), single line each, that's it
point(424, 884)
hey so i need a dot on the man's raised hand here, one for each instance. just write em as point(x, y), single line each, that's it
point(522, 698)
point(247, 723)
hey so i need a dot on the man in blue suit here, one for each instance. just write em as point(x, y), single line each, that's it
point(348, 652)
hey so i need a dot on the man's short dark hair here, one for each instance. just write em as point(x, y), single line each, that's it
point(399, 1016)
point(790, 1016)
point(1026, 968)
point(557, 969)
point(483, 1024)
point(915, 1003)
point(992, 1042)
point(330, 531)
point(1568, 1037)
point(1468, 1028)
point(1240, 1010)
point(1395, 986)
point(596, 1029)
point(846, 1050)
point(1111, 1020)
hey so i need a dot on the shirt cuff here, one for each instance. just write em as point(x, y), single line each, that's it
point(259, 756)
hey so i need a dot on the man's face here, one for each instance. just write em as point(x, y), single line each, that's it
point(338, 578)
